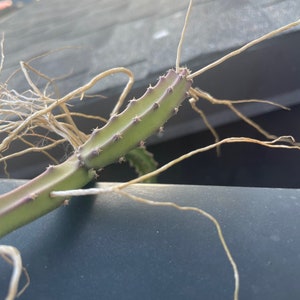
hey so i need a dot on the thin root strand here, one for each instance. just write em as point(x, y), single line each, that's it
point(13, 257)
point(245, 47)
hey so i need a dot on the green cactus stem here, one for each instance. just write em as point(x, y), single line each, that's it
point(143, 162)
point(106, 145)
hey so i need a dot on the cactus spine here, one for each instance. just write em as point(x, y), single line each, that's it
point(122, 133)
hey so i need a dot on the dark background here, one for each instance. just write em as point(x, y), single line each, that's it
point(238, 164)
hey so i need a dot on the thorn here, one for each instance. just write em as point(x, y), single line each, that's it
point(141, 144)
point(117, 137)
point(94, 153)
point(136, 120)
point(184, 72)
point(80, 161)
point(150, 89)
point(122, 159)
point(50, 168)
point(155, 106)
point(94, 132)
point(30, 197)
point(175, 111)
point(97, 174)
point(170, 90)
point(160, 131)
point(132, 102)
point(113, 118)
point(170, 71)
point(93, 173)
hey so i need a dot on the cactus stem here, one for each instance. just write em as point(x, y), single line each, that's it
point(140, 119)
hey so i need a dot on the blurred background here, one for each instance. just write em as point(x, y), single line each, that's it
point(94, 36)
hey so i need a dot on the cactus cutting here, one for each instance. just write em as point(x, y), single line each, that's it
point(122, 133)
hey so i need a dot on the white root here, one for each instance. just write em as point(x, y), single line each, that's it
point(13, 257)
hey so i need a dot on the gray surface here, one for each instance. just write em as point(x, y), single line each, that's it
point(143, 36)
point(137, 34)
point(113, 248)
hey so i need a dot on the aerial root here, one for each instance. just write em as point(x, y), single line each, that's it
point(13, 257)
point(196, 94)
point(206, 122)
point(179, 47)
point(244, 48)
point(24, 115)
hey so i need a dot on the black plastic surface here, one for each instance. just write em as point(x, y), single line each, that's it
point(114, 248)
